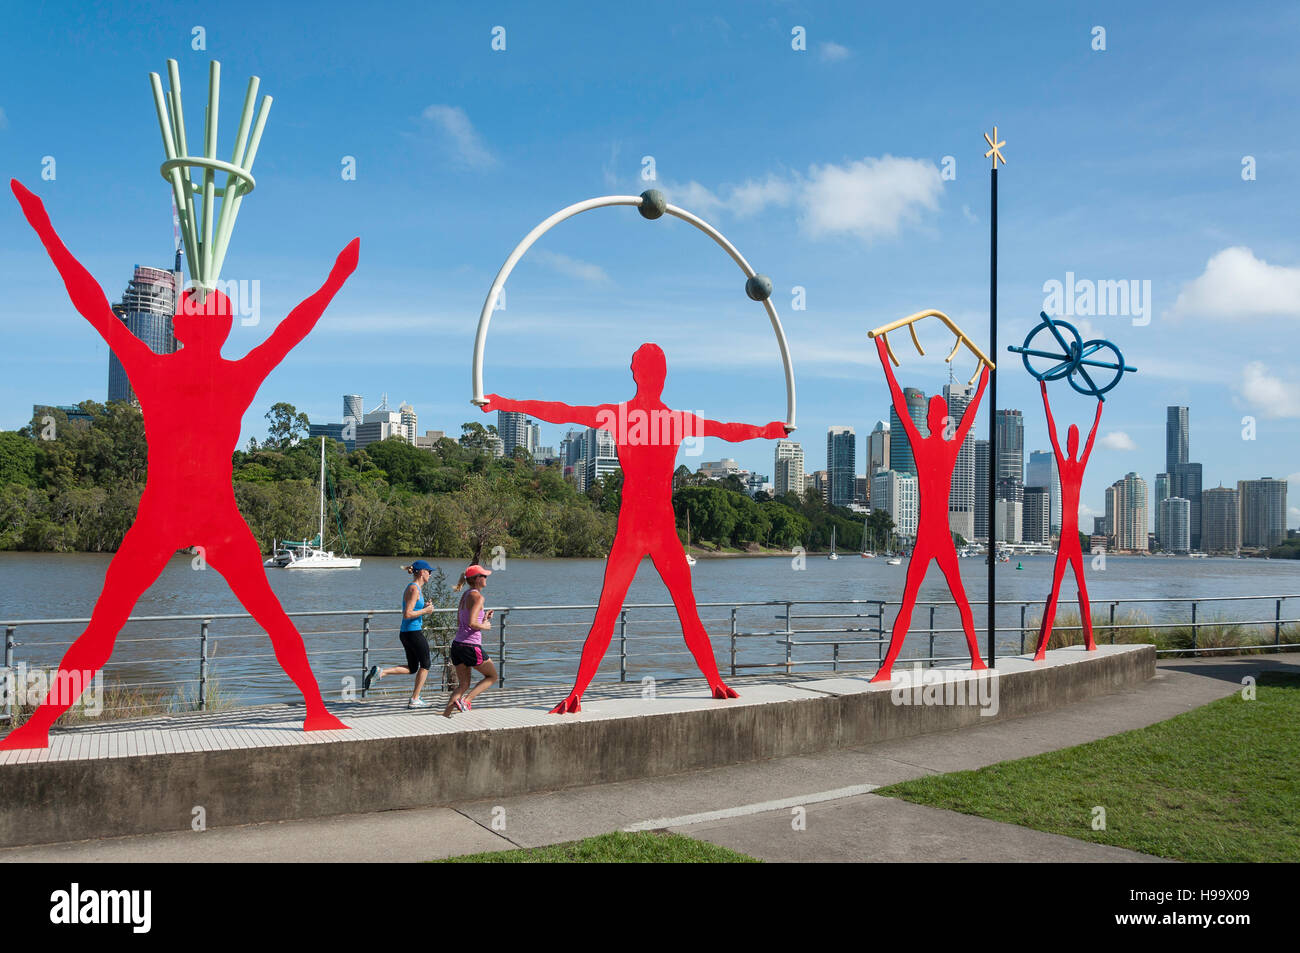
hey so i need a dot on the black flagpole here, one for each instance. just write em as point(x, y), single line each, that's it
point(993, 407)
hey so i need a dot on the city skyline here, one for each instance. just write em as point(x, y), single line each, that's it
point(514, 135)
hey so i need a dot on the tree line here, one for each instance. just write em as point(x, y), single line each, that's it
point(73, 486)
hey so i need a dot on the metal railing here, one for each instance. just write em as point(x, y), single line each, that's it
point(752, 638)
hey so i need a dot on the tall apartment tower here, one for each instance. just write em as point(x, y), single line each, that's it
point(841, 465)
point(147, 308)
point(900, 450)
point(1220, 520)
point(1042, 471)
point(878, 454)
point(1185, 482)
point(896, 494)
point(787, 468)
point(1126, 513)
point(1036, 525)
point(1263, 512)
point(961, 496)
point(352, 407)
point(981, 489)
point(1011, 445)
point(1174, 524)
point(1176, 434)
point(513, 428)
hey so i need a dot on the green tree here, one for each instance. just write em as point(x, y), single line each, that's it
point(288, 426)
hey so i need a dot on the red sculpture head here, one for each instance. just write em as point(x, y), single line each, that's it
point(203, 326)
point(936, 415)
point(649, 368)
point(1072, 441)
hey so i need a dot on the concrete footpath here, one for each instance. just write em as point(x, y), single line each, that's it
point(747, 807)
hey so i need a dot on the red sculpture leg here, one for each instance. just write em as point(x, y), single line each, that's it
point(947, 560)
point(1049, 610)
point(238, 558)
point(137, 563)
point(916, 567)
point(1085, 610)
point(673, 569)
point(620, 569)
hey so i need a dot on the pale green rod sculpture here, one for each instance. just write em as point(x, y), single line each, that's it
point(206, 255)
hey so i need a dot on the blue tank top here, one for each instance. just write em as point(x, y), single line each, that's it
point(416, 624)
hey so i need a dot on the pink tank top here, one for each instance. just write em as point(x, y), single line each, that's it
point(464, 631)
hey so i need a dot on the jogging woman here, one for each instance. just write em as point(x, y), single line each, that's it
point(412, 635)
point(472, 620)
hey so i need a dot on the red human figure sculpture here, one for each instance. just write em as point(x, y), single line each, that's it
point(647, 433)
point(1068, 549)
point(193, 402)
point(935, 458)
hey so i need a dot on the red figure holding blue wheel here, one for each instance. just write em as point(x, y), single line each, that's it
point(1068, 549)
point(193, 402)
point(647, 433)
point(936, 456)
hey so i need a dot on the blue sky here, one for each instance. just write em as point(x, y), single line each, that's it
point(825, 166)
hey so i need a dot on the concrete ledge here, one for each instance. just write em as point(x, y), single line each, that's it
point(246, 772)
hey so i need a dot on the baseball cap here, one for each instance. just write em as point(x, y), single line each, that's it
point(420, 564)
point(476, 570)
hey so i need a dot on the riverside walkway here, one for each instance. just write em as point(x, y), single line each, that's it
point(743, 806)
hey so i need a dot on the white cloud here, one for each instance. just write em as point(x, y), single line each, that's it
point(753, 196)
point(466, 145)
point(693, 197)
point(1236, 284)
point(833, 52)
point(1117, 440)
point(870, 197)
point(573, 267)
point(1266, 393)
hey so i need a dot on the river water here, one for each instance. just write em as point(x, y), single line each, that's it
point(545, 645)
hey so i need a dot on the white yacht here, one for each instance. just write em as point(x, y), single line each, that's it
point(308, 553)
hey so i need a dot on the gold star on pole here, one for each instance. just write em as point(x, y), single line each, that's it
point(995, 148)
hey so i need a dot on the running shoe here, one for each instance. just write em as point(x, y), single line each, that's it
point(370, 677)
point(467, 704)
point(417, 703)
point(460, 704)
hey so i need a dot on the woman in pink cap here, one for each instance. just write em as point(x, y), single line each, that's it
point(467, 648)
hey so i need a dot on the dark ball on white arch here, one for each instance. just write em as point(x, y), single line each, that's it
point(759, 287)
point(653, 204)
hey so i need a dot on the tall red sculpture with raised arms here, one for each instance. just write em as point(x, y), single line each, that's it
point(647, 434)
point(935, 456)
point(193, 402)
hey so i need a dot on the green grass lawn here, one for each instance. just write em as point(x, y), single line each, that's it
point(1221, 783)
point(618, 848)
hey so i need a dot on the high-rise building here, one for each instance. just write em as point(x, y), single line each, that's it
point(981, 489)
point(1220, 520)
point(819, 482)
point(352, 407)
point(1263, 512)
point(1009, 517)
point(410, 422)
point(1042, 471)
point(1185, 482)
point(900, 449)
point(841, 465)
point(878, 448)
point(1176, 438)
point(896, 494)
point(961, 492)
point(147, 308)
point(1162, 493)
point(788, 467)
point(1036, 526)
point(534, 433)
point(1011, 445)
point(1174, 524)
point(600, 455)
point(1126, 513)
point(513, 428)
point(380, 424)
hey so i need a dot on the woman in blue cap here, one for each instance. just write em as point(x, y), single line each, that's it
point(412, 635)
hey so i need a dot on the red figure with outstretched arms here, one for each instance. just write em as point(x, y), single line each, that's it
point(1068, 549)
point(647, 434)
point(193, 402)
point(936, 456)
